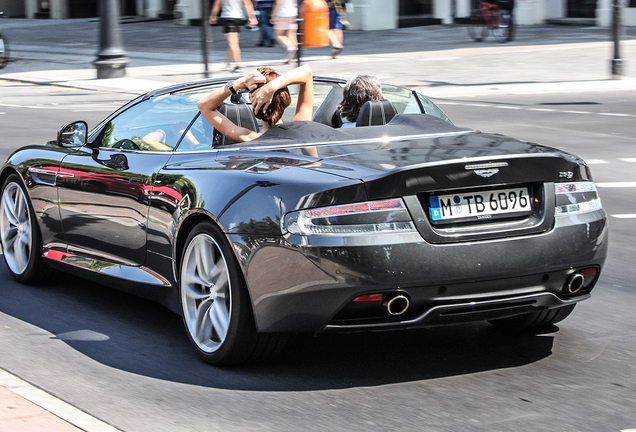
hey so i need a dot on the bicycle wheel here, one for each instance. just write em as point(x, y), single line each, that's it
point(477, 28)
point(4, 52)
point(503, 26)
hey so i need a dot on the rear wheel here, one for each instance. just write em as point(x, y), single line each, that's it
point(534, 320)
point(20, 236)
point(217, 312)
point(503, 28)
point(4, 52)
point(477, 28)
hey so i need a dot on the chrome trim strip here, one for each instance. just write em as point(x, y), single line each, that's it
point(486, 166)
point(139, 274)
point(544, 298)
point(376, 140)
point(42, 171)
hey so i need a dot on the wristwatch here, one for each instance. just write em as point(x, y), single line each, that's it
point(230, 87)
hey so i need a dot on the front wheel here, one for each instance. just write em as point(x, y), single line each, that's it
point(19, 233)
point(534, 320)
point(477, 27)
point(217, 312)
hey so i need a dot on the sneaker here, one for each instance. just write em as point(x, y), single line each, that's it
point(291, 55)
point(335, 51)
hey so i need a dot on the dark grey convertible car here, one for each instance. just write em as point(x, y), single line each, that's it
point(403, 221)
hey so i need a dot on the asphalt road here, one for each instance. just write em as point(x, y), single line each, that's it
point(127, 361)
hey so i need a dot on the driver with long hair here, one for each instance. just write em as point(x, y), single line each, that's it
point(269, 96)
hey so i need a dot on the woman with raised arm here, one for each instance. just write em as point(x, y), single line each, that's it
point(269, 96)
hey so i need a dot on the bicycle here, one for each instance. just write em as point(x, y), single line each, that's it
point(489, 17)
point(4, 50)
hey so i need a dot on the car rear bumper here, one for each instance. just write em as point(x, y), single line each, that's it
point(305, 288)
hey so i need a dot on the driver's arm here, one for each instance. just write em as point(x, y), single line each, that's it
point(156, 140)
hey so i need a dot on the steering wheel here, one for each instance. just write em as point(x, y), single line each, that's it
point(126, 144)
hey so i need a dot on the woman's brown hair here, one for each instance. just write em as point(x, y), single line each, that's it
point(280, 101)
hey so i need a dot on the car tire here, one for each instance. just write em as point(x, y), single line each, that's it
point(20, 234)
point(215, 303)
point(534, 320)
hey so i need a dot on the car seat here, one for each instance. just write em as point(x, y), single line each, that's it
point(374, 113)
point(241, 115)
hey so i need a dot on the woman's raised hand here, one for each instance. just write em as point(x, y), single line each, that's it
point(254, 79)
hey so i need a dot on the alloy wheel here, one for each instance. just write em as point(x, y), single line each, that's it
point(205, 293)
point(15, 228)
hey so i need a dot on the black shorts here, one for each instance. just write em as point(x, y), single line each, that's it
point(232, 25)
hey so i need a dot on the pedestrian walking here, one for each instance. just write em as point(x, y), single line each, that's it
point(284, 19)
point(337, 21)
point(264, 10)
point(234, 14)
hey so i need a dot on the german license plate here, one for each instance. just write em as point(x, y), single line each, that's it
point(480, 205)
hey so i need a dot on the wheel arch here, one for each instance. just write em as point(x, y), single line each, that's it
point(183, 231)
point(7, 171)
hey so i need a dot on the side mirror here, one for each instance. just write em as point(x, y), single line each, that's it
point(72, 134)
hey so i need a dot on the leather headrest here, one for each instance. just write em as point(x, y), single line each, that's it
point(374, 113)
point(241, 115)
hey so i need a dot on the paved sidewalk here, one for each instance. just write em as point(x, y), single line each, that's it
point(20, 415)
point(439, 61)
point(25, 408)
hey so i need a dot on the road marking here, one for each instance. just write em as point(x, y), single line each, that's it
point(630, 160)
point(484, 105)
point(53, 405)
point(624, 216)
point(87, 107)
point(595, 161)
point(615, 114)
point(616, 184)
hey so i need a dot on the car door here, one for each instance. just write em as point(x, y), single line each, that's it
point(104, 188)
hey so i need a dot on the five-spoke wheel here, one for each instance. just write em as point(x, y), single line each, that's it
point(216, 308)
point(19, 234)
point(206, 293)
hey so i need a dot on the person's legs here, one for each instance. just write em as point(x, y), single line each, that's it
point(281, 37)
point(335, 34)
point(233, 49)
point(268, 34)
point(292, 49)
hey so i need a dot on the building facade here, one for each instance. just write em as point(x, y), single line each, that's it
point(365, 14)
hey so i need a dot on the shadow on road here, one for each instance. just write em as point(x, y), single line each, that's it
point(142, 337)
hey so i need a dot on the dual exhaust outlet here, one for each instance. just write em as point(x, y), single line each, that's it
point(574, 283)
point(397, 304)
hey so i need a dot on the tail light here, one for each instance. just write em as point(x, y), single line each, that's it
point(576, 197)
point(378, 217)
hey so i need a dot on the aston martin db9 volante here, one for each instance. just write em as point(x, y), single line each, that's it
point(403, 221)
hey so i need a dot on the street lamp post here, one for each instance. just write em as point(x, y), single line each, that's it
point(205, 13)
point(617, 62)
point(300, 28)
point(111, 58)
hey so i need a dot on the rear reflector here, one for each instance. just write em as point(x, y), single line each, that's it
point(368, 298)
point(588, 272)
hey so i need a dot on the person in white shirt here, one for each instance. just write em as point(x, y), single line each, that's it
point(284, 20)
point(232, 18)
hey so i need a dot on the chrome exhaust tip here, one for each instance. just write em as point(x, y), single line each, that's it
point(397, 305)
point(575, 282)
